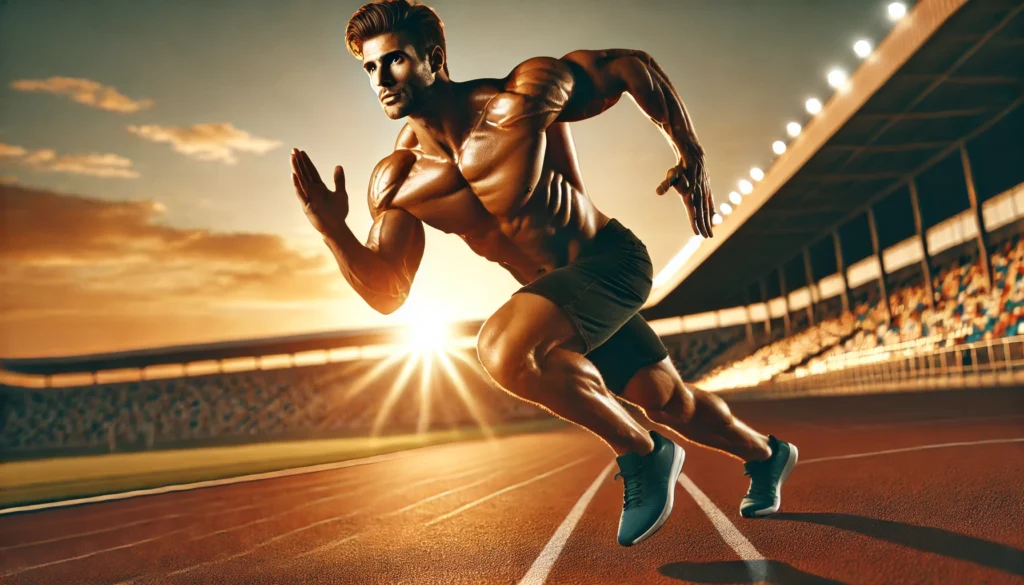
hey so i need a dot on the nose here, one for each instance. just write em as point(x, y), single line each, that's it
point(383, 78)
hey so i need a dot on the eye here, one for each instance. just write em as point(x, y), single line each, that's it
point(370, 68)
point(397, 59)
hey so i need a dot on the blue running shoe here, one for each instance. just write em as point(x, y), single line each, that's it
point(765, 494)
point(650, 482)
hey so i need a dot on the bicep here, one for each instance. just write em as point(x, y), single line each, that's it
point(599, 78)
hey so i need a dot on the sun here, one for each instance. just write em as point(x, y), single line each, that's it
point(426, 332)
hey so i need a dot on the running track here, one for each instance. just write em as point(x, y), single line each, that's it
point(911, 488)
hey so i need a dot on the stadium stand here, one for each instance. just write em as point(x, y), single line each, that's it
point(335, 399)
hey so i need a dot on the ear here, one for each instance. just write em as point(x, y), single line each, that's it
point(436, 58)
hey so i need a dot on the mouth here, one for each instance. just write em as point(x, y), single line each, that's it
point(389, 98)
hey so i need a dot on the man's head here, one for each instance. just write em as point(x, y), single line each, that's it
point(403, 51)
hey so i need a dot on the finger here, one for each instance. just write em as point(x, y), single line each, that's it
point(711, 205)
point(297, 166)
point(663, 187)
point(705, 211)
point(300, 169)
point(701, 213)
point(309, 173)
point(695, 220)
point(709, 216)
point(298, 189)
point(339, 179)
point(670, 179)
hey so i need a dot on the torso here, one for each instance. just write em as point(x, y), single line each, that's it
point(494, 192)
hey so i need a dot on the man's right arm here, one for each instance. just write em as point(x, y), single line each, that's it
point(382, 271)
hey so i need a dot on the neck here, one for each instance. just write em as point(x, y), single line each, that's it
point(438, 126)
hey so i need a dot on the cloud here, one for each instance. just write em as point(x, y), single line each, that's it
point(69, 262)
point(82, 244)
point(93, 164)
point(211, 142)
point(85, 91)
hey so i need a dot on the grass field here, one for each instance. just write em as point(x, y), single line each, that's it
point(45, 480)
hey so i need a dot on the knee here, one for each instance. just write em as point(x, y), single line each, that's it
point(678, 405)
point(508, 363)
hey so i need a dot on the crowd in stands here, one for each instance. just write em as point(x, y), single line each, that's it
point(965, 311)
point(334, 399)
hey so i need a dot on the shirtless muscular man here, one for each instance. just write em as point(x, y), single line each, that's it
point(493, 161)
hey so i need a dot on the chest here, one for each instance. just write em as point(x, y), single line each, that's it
point(491, 179)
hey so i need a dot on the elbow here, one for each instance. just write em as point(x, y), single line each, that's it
point(385, 305)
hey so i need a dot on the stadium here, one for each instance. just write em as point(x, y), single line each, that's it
point(864, 295)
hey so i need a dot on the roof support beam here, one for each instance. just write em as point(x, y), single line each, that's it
point(967, 79)
point(785, 296)
point(764, 299)
point(979, 221)
point(926, 258)
point(909, 147)
point(882, 288)
point(812, 286)
point(841, 269)
point(850, 177)
point(894, 117)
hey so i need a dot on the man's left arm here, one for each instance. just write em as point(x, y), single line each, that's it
point(585, 83)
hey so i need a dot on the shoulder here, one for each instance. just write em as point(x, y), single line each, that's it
point(533, 93)
point(387, 177)
point(539, 76)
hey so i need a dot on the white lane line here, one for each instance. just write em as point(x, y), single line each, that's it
point(538, 572)
point(263, 544)
point(440, 495)
point(91, 532)
point(213, 482)
point(909, 449)
point(502, 491)
point(328, 546)
point(756, 568)
point(87, 555)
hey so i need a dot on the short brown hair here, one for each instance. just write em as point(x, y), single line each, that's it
point(395, 16)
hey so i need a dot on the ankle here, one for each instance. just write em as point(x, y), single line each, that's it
point(641, 444)
point(759, 451)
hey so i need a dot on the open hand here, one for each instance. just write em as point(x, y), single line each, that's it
point(325, 209)
point(690, 179)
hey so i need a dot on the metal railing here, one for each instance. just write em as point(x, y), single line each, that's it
point(908, 366)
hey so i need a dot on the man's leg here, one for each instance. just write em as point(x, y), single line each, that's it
point(527, 347)
point(698, 415)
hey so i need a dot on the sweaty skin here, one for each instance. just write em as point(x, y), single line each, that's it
point(493, 161)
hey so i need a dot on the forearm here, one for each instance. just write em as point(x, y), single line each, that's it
point(373, 278)
point(650, 88)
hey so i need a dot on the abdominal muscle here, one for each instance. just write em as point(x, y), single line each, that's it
point(545, 234)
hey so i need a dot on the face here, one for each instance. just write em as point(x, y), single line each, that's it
point(398, 76)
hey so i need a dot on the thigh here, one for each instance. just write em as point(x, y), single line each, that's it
point(526, 323)
point(633, 347)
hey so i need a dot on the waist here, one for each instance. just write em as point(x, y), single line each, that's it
point(612, 236)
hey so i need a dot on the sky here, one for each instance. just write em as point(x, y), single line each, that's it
point(145, 182)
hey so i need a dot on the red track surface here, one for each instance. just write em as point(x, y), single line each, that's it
point(942, 515)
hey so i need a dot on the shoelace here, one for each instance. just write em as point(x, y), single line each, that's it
point(760, 482)
point(634, 489)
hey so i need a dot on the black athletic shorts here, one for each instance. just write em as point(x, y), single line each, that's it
point(601, 292)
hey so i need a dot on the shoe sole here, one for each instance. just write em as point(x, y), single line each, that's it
point(790, 464)
point(677, 467)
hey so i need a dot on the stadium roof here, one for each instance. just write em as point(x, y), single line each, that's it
point(949, 71)
point(179, 354)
